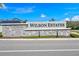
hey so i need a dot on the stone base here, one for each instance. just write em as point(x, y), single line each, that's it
point(36, 33)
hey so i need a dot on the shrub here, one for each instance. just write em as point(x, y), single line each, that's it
point(74, 35)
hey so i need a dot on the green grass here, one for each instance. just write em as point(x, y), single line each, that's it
point(64, 37)
point(46, 37)
point(0, 34)
point(39, 37)
point(74, 35)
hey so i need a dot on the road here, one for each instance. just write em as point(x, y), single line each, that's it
point(39, 47)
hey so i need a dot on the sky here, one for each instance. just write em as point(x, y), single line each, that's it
point(40, 11)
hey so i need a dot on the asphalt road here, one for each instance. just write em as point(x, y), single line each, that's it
point(39, 47)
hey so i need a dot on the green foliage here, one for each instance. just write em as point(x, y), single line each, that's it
point(39, 37)
point(0, 34)
point(74, 35)
point(73, 25)
point(52, 19)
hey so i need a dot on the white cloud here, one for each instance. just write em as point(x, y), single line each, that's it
point(66, 19)
point(73, 8)
point(2, 6)
point(24, 10)
point(43, 15)
point(66, 13)
point(75, 18)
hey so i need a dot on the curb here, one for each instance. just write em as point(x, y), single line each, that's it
point(45, 39)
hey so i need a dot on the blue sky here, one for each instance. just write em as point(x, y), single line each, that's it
point(39, 11)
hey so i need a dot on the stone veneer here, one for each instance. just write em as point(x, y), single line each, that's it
point(18, 31)
point(35, 29)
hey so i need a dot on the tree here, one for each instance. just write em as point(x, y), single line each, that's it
point(23, 21)
point(16, 19)
point(26, 20)
point(52, 19)
point(2, 5)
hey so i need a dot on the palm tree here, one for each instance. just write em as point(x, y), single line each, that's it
point(26, 20)
point(2, 5)
point(16, 19)
point(52, 19)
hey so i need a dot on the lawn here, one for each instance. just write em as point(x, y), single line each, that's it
point(74, 33)
point(0, 34)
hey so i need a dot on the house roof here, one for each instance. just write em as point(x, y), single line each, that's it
point(14, 20)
